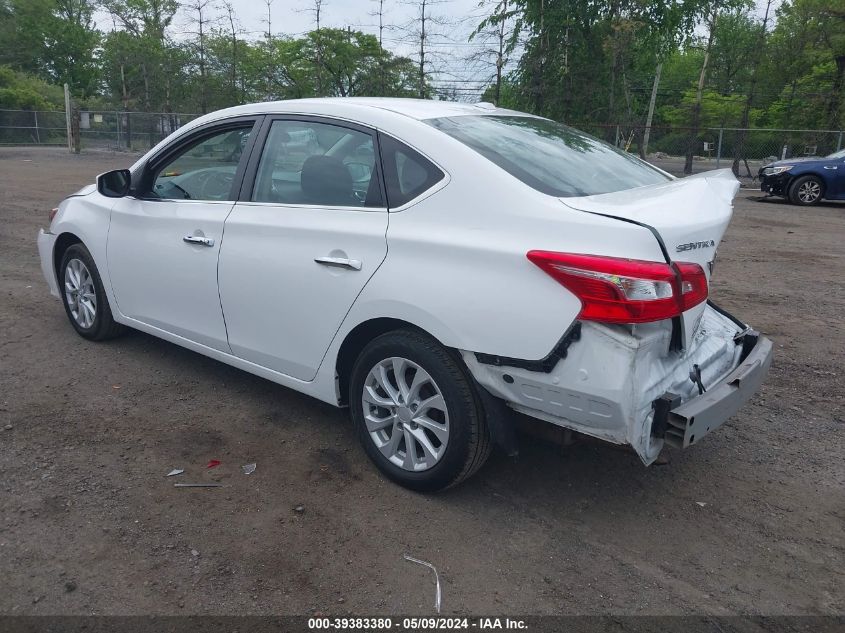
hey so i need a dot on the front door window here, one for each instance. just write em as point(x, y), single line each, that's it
point(205, 170)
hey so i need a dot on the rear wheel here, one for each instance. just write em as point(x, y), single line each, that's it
point(417, 413)
point(806, 191)
point(85, 301)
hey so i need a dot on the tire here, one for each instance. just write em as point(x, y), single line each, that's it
point(454, 426)
point(85, 300)
point(806, 191)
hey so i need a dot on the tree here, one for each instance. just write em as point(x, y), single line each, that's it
point(426, 23)
point(379, 14)
point(19, 91)
point(317, 11)
point(692, 138)
point(200, 19)
point(760, 41)
point(499, 32)
point(146, 23)
point(70, 41)
point(237, 95)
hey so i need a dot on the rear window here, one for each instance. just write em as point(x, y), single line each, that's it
point(552, 158)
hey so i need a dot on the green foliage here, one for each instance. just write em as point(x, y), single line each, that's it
point(52, 39)
point(19, 91)
point(589, 62)
point(717, 110)
point(586, 62)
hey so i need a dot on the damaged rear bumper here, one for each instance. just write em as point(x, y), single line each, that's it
point(685, 424)
point(627, 385)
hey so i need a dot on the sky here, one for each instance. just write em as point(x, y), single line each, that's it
point(451, 65)
point(449, 43)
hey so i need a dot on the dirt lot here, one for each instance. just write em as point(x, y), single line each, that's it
point(90, 524)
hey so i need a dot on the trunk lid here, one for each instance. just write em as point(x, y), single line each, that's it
point(689, 214)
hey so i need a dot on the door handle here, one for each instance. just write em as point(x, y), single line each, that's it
point(340, 262)
point(198, 239)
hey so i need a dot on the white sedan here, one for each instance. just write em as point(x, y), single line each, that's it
point(430, 265)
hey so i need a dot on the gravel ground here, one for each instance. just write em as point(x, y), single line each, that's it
point(749, 521)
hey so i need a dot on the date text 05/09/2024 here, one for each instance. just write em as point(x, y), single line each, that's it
point(415, 624)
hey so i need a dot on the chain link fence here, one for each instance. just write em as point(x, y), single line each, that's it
point(98, 129)
point(673, 149)
point(714, 148)
point(30, 127)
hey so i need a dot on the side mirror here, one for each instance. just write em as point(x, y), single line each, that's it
point(114, 184)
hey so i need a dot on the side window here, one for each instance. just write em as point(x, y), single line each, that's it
point(317, 163)
point(407, 173)
point(205, 170)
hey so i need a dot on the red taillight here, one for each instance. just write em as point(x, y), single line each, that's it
point(52, 214)
point(614, 290)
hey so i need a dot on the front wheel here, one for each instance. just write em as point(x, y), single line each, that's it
point(83, 296)
point(806, 191)
point(416, 412)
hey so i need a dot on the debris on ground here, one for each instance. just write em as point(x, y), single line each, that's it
point(214, 463)
point(197, 485)
point(700, 503)
point(195, 553)
point(249, 468)
point(436, 579)
point(299, 509)
point(174, 472)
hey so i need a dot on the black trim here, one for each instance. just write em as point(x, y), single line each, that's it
point(748, 340)
point(500, 421)
point(545, 365)
point(142, 181)
point(251, 170)
point(728, 315)
point(662, 406)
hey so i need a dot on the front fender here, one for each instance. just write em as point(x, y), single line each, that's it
point(87, 218)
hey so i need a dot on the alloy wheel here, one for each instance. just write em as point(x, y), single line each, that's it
point(80, 294)
point(809, 191)
point(405, 414)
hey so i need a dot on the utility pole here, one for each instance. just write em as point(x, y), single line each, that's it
point(422, 49)
point(318, 8)
point(269, 4)
point(381, 42)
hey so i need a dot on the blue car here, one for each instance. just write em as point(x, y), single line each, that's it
point(806, 181)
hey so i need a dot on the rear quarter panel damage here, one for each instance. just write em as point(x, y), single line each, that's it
point(606, 385)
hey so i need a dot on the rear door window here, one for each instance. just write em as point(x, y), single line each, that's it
point(314, 163)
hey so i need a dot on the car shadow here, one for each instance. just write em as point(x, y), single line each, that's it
point(583, 472)
point(777, 200)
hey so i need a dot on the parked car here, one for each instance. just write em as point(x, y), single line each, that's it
point(806, 181)
point(433, 266)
